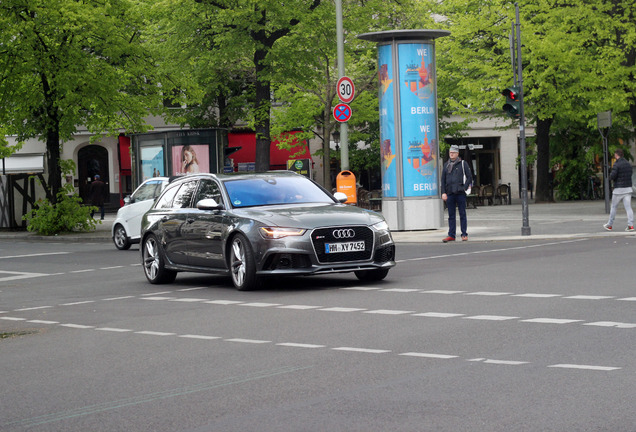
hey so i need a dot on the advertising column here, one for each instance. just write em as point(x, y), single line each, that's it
point(409, 140)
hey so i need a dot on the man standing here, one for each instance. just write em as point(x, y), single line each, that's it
point(97, 192)
point(456, 178)
point(621, 175)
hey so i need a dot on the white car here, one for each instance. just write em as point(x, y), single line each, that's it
point(126, 229)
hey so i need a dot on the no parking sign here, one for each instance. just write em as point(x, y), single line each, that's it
point(342, 112)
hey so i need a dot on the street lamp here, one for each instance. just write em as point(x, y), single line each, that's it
point(336, 138)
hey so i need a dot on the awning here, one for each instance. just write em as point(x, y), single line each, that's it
point(29, 163)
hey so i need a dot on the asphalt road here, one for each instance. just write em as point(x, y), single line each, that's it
point(477, 336)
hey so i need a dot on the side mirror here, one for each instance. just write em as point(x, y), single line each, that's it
point(340, 197)
point(209, 204)
point(127, 200)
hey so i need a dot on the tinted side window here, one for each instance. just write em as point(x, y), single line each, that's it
point(183, 198)
point(165, 201)
point(208, 189)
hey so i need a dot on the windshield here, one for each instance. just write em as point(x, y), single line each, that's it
point(274, 191)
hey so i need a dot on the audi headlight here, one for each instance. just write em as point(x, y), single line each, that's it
point(279, 232)
point(380, 226)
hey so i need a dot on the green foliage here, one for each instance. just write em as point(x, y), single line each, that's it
point(66, 215)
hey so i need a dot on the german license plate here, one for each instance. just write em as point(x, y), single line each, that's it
point(344, 247)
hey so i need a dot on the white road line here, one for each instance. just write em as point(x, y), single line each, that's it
point(438, 315)
point(506, 362)
point(533, 295)
point(251, 341)
point(154, 333)
point(77, 303)
point(77, 326)
point(43, 322)
point(189, 300)
point(156, 293)
point(550, 321)
point(20, 275)
point(364, 350)
point(118, 298)
point(628, 299)
point(586, 367)
point(389, 312)
point(224, 302)
point(299, 345)
point(611, 324)
point(488, 293)
point(589, 297)
point(491, 317)
point(35, 255)
point(158, 298)
point(442, 292)
point(191, 289)
point(299, 307)
point(113, 329)
point(33, 308)
point(111, 268)
point(12, 319)
point(427, 355)
point(361, 289)
point(400, 290)
point(341, 309)
point(202, 337)
point(256, 304)
point(82, 271)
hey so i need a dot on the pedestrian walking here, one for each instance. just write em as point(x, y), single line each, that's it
point(97, 192)
point(456, 179)
point(621, 175)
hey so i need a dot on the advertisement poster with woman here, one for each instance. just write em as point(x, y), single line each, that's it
point(190, 159)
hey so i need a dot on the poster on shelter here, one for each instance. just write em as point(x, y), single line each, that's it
point(419, 119)
point(387, 121)
point(190, 159)
point(152, 163)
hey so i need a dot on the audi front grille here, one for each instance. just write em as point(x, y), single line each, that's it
point(348, 234)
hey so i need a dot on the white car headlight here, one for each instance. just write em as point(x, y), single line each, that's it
point(279, 232)
point(380, 226)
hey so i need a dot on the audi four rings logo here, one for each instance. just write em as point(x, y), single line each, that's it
point(343, 233)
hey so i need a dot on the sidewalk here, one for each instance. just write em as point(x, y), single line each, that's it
point(572, 219)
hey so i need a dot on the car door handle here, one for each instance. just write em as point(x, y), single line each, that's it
point(190, 220)
point(165, 219)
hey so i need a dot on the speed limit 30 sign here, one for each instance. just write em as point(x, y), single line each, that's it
point(346, 89)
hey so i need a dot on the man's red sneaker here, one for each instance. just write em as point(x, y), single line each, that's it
point(448, 239)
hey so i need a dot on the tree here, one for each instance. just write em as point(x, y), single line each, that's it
point(65, 63)
point(307, 89)
point(577, 61)
point(247, 28)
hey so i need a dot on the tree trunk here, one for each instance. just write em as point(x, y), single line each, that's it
point(263, 108)
point(542, 192)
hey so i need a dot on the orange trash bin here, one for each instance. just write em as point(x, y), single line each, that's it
point(346, 183)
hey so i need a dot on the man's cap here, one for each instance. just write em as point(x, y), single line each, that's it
point(454, 148)
point(96, 176)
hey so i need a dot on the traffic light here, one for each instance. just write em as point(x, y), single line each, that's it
point(512, 107)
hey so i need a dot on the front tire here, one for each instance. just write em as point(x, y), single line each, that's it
point(154, 262)
point(372, 275)
point(242, 264)
point(120, 238)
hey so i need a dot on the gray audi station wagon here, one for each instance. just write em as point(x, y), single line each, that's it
point(254, 225)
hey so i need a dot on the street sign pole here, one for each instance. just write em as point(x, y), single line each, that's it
point(525, 227)
point(344, 131)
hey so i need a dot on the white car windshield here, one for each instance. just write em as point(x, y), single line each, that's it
point(274, 191)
